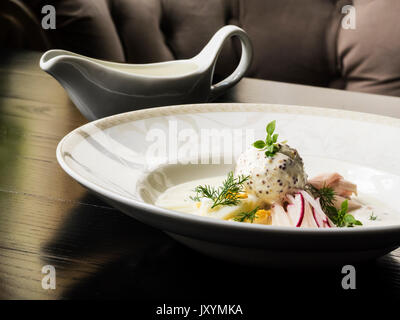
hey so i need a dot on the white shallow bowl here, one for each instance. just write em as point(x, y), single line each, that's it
point(111, 157)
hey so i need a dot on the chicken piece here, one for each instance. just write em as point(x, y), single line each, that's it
point(343, 189)
point(353, 204)
point(340, 186)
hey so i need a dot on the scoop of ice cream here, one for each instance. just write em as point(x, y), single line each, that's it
point(271, 178)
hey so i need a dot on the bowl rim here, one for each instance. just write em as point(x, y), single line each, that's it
point(209, 108)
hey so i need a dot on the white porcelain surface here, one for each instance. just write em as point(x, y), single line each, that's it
point(110, 158)
point(102, 88)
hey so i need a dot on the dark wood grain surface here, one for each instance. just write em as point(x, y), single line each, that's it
point(46, 218)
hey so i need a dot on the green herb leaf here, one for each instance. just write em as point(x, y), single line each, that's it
point(270, 145)
point(204, 192)
point(259, 144)
point(373, 217)
point(250, 216)
point(270, 148)
point(344, 219)
point(225, 195)
point(326, 197)
point(349, 219)
point(345, 205)
point(271, 127)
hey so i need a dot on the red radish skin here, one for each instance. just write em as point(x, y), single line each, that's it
point(313, 202)
point(327, 223)
point(319, 213)
point(315, 218)
point(317, 206)
point(301, 212)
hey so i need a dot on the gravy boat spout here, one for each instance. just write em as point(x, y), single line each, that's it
point(101, 88)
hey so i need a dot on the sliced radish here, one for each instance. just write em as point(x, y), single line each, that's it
point(290, 211)
point(308, 220)
point(296, 210)
point(302, 211)
point(317, 220)
point(309, 198)
point(319, 213)
point(290, 198)
point(279, 216)
point(328, 222)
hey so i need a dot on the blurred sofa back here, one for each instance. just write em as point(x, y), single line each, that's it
point(294, 41)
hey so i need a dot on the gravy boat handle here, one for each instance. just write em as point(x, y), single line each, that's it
point(213, 49)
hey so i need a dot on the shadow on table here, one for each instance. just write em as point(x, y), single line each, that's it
point(174, 273)
point(141, 263)
point(96, 231)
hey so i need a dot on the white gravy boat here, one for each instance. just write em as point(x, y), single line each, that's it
point(102, 88)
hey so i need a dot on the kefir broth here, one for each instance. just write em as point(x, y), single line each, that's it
point(372, 213)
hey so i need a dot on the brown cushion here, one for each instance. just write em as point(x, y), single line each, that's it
point(85, 27)
point(370, 54)
point(290, 39)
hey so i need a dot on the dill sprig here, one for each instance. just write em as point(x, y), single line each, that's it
point(249, 216)
point(204, 192)
point(326, 195)
point(373, 217)
point(225, 195)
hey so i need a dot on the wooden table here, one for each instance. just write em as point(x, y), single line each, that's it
point(46, 218)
